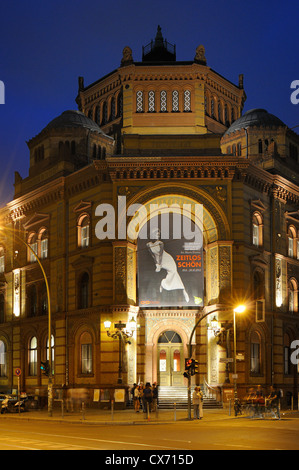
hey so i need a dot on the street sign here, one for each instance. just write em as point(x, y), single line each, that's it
point(18, 372)
point(228, 359)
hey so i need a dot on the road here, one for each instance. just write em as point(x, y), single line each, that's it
point(235, 434)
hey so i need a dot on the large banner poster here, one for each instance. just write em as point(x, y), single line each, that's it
point(170, 269)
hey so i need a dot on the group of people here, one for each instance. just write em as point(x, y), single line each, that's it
point(258, 402)
point(197, 400)
point(145, 397)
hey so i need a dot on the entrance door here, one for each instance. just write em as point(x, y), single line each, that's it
point(170, 359)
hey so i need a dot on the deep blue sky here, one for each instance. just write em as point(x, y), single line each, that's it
point(45, 45)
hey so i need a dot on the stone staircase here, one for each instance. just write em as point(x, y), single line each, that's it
point(179, 395)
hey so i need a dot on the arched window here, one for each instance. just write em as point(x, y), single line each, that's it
point(219, 112)
point(293, 296)
point(139, 101)
point(84, 291)
point(2, 260)
point(33, 356)
point(104, 113)
point(112, 109)
point(163, 101)
point(175, 101)
point(291, 241)
point(257, 229)
point(212, 108)
point(260, 146)
point(83, 231)
point(176, 361)
point(151, 101)
point(3, 360)
point(44, 243)
point(32, 242)
point(187, 101)
point(255, 353)
point(119, 105)
point(86, 353)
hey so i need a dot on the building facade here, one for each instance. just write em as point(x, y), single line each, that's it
point(159, 133)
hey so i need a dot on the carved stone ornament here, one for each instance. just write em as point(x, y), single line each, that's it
point(127, 56)
point(200, 55)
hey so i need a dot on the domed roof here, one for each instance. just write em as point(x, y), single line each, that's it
point(255, 117)
point(71, 119)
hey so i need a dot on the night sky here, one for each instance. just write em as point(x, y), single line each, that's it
point(46, 45)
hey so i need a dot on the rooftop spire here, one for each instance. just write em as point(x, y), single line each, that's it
point(159, 50)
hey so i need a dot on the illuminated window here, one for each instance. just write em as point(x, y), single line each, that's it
point(84, 231)
point(86, 353)
point(44, 244)
point(187, 101)
point(176, 361)
point(2, 262)
point(175, 101)
point(151, 101)
point(139, 101)
point(3, 360)
point(162, 361)
point(291, 241)
point(257, 229)
point(33, 250)
point(33, 356)
point(163, 101)
point(293, 296)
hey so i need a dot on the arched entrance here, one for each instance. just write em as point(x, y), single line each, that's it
point(170, 359)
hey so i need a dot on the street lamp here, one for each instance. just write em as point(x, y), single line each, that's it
point(238, 309)
point(122, 334)
point(50, 383)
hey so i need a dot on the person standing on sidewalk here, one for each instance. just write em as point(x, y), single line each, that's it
point(155, 396)
point(147, 397)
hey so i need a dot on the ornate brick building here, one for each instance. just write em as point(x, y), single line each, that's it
point(166, 133)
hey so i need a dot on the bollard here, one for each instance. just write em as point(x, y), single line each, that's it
point(83, 411)
point(229, 408)
point(175, 411)
point(112, 410)
point(148, 412)
point(62, 409)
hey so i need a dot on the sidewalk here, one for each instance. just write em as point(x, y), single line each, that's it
point(125, 417)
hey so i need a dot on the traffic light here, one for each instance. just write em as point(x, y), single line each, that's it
point(188, 364)
point(194, 369)
point(45, 367)
point(195, 366)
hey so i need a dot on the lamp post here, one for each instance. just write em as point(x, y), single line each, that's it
point(50, 383)
point(239, 309)
point(123, 336)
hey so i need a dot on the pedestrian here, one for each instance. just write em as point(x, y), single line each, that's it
point(274, 399)
point(155, 396)
point(197, 399)
point(136, 398)
point(147, 397)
